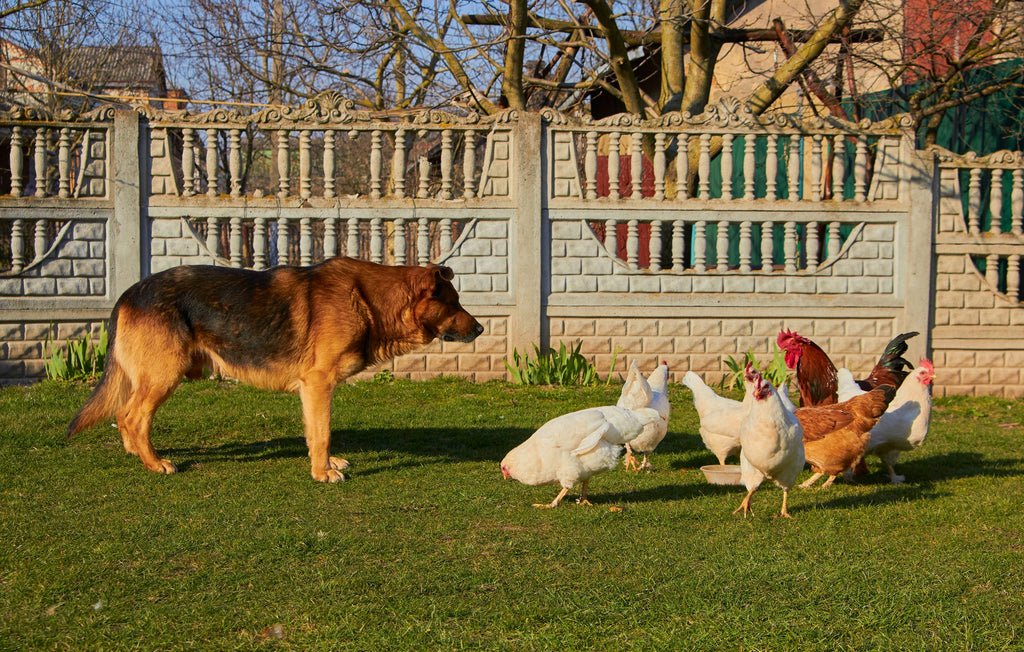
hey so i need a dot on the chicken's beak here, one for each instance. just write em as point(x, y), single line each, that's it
point(505, 474)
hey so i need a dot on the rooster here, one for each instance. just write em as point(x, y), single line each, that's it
point(904, 425)
point(817, 378)
point(836, 436)
point(720, 417)
point(771, 439)
point(573, 447)
point(639, 392)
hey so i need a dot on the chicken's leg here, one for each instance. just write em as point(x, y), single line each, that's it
point(555, 502)
point(807, 484)
point(785, 499)
point(583, 495)
point(645, 465)
point(828, 483)
point(628, 460)
point(745, 505)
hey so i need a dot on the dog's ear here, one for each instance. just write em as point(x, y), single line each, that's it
point(443, 272)
point(431, 276)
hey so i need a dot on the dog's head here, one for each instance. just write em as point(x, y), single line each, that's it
point(438, 310)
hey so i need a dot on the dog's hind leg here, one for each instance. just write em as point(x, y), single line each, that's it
point(136, 420)
point(316, 394)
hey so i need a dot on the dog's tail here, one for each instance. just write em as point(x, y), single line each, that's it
point(110, 393)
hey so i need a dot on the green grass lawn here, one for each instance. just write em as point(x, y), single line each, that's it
point(426, 548)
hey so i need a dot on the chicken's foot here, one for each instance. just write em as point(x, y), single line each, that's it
point(745, 505)
point(629, 461)
point(555, 502)
point(784, 513)
point(583, 495)
point(807, 484)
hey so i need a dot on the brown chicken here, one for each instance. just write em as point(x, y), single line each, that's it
point(836, 436)
point(816, 375)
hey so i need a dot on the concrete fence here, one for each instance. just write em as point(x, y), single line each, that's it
point(685, 239)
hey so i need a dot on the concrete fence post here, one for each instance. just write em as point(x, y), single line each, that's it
point(919, 255)
point(529, 242)
point(126, 246)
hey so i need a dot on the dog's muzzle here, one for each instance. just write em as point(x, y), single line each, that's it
point(459, 337)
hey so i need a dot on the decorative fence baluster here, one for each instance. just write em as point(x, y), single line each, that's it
point(636, 166)
point(812, 247)
point(235, 161)
point(749, 167)
point(423, 192)
point(992, 270)
point(39, 241)
point(235, 241)
point(682, 167)
point(282, 241)
point(305, 165)
point(423, 241)
point(767, 247)
point(64, 164)
point(330, 237)
point(838, 168)
point(834, 244)
point(376, 241)
point(187, 162)
point(632, 243)
point(17, 162)
point(213, 236)
point(352, 244)
point(375, 163)
point(860, 170)
point(1013, 277)
point(469, 165)
point(1017, 199)
point(974, 202)
point(611, 237)
point(789, 247)
point(446, 164)
point(995, 203)
point(40, 153)
point(590, 166)
point(17, 246)
point(613, 165)
point(704, 167)
point(771, 168)
point(817, 152)
point(700, 247)
point(399, 225)
point(659, 166)
point(654, 247)
point(259, 243)
point(446, 236)
point(726, 158)
point(211, 163)
point(678, 245)
point(746, 246)
point(398, 164)
point(793, 180)
point(283, 158)
point(722, 247)
point(329, 164)
point(305, 242)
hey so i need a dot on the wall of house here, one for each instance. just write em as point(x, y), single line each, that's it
point(843, 233)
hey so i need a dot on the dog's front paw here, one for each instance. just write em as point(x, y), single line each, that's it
point(338, 463)
point(328, 475)
point(162, 466)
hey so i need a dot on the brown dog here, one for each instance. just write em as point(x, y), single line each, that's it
point(299, 329)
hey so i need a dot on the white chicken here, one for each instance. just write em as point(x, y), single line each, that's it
point(574, 447)
point(846, 386)
point(771, 440)
point(652, 392)
point(904, 425)
point(720, 417)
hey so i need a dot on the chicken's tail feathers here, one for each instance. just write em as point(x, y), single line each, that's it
point(892, 357)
